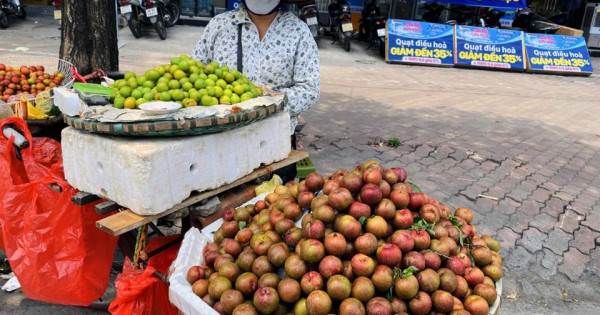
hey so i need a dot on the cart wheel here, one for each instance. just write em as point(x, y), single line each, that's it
point(3, 19)
point(4, 266)
point(160, 28)
point(22, 14)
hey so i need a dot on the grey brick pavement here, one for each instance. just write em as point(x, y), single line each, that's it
point(522, 150)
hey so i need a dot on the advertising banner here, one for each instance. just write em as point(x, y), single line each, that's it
point(521, 4)
point(420, 42)
point(508, 18)
point(489, 48)
point(557, 53)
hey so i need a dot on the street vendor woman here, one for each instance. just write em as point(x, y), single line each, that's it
point(272, 47)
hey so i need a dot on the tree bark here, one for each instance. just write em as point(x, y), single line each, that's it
point(89, 35)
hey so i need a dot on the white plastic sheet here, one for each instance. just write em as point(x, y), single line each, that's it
point(190, 254)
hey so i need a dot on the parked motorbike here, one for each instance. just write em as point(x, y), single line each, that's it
point(525, 20)
point(341, 25)
point(433, 12)
point(373, 24)
point(10, 7)
point(310, 15)
point(145, 12)
point(492, 18)
point(462, 15)
point(172, 12)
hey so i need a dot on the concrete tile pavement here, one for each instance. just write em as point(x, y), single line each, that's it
point(522, 150)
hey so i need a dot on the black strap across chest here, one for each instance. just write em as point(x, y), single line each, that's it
point(240, 50)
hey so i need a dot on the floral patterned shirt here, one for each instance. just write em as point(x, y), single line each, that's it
point(286, 59)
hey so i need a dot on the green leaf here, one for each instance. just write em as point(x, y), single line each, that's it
point(409, 271)
point(389, 295)
point(455, 221)
point(362, 220)
point(430, 231)
point(471, 256)
point(421, 224)
point(415, 188)
point(242, 224)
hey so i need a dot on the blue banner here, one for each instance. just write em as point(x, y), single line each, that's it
point(557, 53)
point(356, 6)
point(489, 48)
point(420, 42)
point(509, 16)
point(520, 4)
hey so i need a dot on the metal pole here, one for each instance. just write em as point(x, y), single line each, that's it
point(119, 44)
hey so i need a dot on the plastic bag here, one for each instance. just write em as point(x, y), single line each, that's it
point(139, 291)
point(53, 245)
point(36, 163)
point(37, 159)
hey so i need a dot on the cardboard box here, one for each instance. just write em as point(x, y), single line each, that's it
point(564, 30)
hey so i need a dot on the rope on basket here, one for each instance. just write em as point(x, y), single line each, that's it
point(140, 256)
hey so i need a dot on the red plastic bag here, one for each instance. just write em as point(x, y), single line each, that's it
point(53, 245)
point(139, 291)
point(37, 159)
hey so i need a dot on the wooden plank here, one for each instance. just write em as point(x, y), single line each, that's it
point(127, 220)
point(83, 198)
point(230, 199)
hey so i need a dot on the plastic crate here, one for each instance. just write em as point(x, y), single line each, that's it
point(187, 7)
point(304, 168)
point(204, 8)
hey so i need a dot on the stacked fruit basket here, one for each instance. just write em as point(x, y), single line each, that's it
point(359, 242)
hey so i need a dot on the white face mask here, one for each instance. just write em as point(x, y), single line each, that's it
point(261, 7)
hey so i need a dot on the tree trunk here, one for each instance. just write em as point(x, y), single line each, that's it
point(89, 35)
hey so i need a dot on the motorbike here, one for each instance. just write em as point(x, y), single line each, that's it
point(524, 20)
point(145, 12)
point(341, 25)
point(373, 24)
point(492, 18)
point(10, 7)
point(462, 15)
point(172, 12)
point(310, 15)
point(433, 12)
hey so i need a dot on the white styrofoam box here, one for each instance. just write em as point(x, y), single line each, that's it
point(151, 175)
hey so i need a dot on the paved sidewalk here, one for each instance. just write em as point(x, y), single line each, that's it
point(522, 150)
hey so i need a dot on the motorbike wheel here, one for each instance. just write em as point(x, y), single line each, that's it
point(22, 14)
point(160, 28)
point(347, 43)
point(174, 13)
point(3, 19)
point(135, 26)
point(382, 49)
